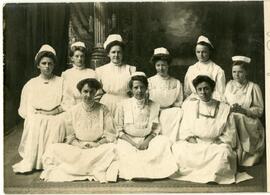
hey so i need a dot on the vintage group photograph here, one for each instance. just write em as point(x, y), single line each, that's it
point(134, 97)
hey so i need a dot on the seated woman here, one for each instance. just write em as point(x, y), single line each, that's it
point(207, 138)
point(40, 107)
point(73, 75)
point(143, 153)
point(205, 66)
point(168, 92)
point(245, 98)
point(89, 152)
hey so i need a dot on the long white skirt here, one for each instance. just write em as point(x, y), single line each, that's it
point(205, 162)
point(250, 139)
point(39, 132)
point(63, 162)
point(155, 162)
point(170, 120)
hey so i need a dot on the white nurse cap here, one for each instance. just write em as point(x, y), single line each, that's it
point(242, 59)
point(205, 40)
point(47, 48)
point(78, 44)
point(111, 38)
point(138, 74)
point(161, 50)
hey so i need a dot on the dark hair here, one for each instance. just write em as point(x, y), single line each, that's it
point(77, 48)
point(203, 78)
point(43, 54)
point(244, 65)
point(158, 57)
point(91, 82)
point(110, 45)
point(143, 79)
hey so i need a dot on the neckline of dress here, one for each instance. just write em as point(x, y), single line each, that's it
point(78, 68)
point(88, 108)
point(163, 78)
point(46, 81)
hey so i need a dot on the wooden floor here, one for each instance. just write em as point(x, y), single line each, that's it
point(30, 183)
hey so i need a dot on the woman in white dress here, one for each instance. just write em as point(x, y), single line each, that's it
point(115, 75)
point(73, 75)
point(40, 108)
point(205, 152)
point(168, 92)
point(205, 66)
point(143, 153)
point(245, 98)
point(89, 152)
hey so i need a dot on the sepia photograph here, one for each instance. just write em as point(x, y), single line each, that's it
point(135, 97)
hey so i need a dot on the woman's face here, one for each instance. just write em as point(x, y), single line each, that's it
point(204, 91)
point(162, 68)
point(202, 53)
point(138, 90)
point(46, 66)
point(239, 74)
point(88, 94)
point(78, 58)
point(116, 54)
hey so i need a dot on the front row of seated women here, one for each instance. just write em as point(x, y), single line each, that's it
point(146, 136)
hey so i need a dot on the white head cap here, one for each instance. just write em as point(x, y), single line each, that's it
point(78, 44)
point(46, 47)
point(241, 58)
point(138, 74)
point(205, 40)
point(111, 38)
point(161, 50)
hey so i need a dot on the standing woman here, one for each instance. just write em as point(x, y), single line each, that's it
point(168, 92)
point(143, 153)
point(115, 75)
point(40, 107)
point(205, 66)
point(245, 98)
point(73, 75)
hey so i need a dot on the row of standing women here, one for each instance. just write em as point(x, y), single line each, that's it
point(148, 135)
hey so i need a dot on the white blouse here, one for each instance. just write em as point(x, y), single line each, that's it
point(166, 91)
point(89, 125)
point(137, 118)
point(115, 78)
point(39, 93)
point(249, 96)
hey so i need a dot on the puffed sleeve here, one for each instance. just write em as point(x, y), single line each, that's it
point(220, 84)
point(132, 69)
point(24, 103)
point(70, 133)
point(229, 134)
point(257, 105)
point(180, 97)
point(186, 123)
point(154, 117)
point(67, 100)
point(109, 129)
point(119, 119)
point(187, 88)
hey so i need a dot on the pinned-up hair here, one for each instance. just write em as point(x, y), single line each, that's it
point(204, 78)
point(91, 82)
